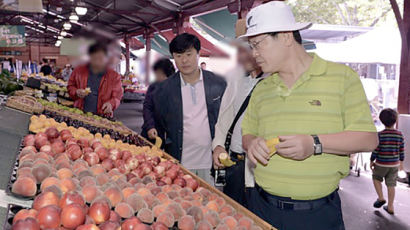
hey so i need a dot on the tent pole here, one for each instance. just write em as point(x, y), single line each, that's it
point(127, 54)
point(147, 57)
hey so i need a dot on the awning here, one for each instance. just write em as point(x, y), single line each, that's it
point(160, 44)
point(221, 26)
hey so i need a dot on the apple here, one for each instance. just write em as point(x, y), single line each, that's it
point(102, 152)
point(52, 133)
point(29, 140)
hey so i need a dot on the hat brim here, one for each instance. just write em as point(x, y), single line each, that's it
point(296, 26)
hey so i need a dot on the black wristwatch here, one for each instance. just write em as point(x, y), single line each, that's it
point(317, 146)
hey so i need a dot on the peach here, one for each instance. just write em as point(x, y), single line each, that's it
point(151, 200)
point(62, 165)
point(40, 172)
point(48, 217)
point(222, 226)
point(64, 173)
point(228, 210)
point(157, 210)
point(143, 191)
point(49, 181)
point(254, 227)
point(45, 199)
point(24, 171)
point(88, 227)
point(137, 202)
point(230, 222)
point(186, 204)
point(109, 225)
point(67, 185)
point(114, 217)
point(124, 210)
point(102, 179)
point(176, 210)
point(185, 192)
point(24, 213)
point(203, 225)
point(212, 205)
point(90, 192)
point(155, 190)
point(114, 195)
point(167, 218)
point(238, 216)
point(54, 189)
point(173, 194)
point(196, 213)
point(220, 201)
point(146, 215)
point(162, 197)
point(24, 186)
point(186, 223)
point(245, 222)
point(159, 226)
point(97, 169)
point(240, 228)
point(126, 192)
point(212, 218)
point(87, 180)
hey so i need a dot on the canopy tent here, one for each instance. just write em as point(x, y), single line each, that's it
point(160, 43)
point(381, 45)
point(221, 26)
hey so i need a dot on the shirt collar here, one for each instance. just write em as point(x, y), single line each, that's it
point(183, 83)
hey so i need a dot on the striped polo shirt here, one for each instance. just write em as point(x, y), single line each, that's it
point(390, 151)
point(327, 98)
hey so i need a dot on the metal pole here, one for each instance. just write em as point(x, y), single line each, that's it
point(127, 55)
point(147, 57)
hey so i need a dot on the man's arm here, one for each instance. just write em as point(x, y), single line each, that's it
point(349, 142)
point(148, 109)
point(72, 86)
point(117, 93)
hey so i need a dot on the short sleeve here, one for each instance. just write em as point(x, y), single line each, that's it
point(250, 119)
point(355, 107)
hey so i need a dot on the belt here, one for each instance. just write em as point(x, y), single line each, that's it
point(235, 157)
point(286, 203)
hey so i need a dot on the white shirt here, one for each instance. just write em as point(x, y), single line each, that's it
point(235, 94)
point(197, 140)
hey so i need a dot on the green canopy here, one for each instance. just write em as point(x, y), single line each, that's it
point(158, 44)
point(221, 26)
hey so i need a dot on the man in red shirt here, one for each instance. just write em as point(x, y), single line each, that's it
point(95, 87)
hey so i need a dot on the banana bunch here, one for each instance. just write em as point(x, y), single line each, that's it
point(226, 160)
point(271, 143)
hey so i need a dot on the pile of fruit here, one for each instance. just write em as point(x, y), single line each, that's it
point(54, 88)
point(77, 117)
point(84, 185)
point(8, 83)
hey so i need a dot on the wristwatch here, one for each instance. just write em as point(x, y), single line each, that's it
point(317, 146)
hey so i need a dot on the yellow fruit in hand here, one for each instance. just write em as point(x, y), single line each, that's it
point(158, 142)
point(271, 143)
point(226, 160)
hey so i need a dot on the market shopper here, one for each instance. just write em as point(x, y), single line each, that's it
point(163, 69)
point(319, 111)
point(46, 68)
point(104, 84)
point(228, 134)
point(387, 159)
point(66, 73)
point(188, 104)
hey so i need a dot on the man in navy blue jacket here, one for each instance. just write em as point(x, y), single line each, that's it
point(163, 69)
point(188, 105)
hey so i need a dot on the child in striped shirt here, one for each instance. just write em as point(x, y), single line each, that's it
point(389, 156)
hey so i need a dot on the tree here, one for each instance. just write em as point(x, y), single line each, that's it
point(344, 12)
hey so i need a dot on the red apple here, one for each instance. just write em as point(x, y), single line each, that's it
point(108, 164)
point(91, 158)
point(130, 223)
point(180, 181)
point(192, 183)
point(172, 173)
point(131, 163)
point(166, 180)
point(28, 150)
point(115, 154)
point(28, 223)
point(57, 147)
point(52, 133)
point(40, 141)
point(74, 152)
point(102, 152)
point(126, 154)
point(83, 143)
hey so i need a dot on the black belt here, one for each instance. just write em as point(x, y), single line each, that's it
point(235, 157)
point(286, 203)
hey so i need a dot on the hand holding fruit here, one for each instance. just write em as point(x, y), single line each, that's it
point(81, 93)
point(298, 147)
point(107, 108)
point(218, 150)
point(258, 151)
point(152, 133)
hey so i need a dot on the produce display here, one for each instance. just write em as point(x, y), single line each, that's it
point(55, 88)
point(8, 83)
point(88, 120)
point(27, 104)
point(85, 181)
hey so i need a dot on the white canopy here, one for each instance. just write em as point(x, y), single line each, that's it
point(381, 45)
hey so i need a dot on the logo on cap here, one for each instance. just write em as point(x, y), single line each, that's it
point(249, 22)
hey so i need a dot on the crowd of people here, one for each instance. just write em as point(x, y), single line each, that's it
point(318, 110)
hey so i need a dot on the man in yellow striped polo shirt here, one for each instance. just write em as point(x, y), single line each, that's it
point(319, 111)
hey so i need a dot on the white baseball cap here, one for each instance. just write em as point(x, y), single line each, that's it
point(270, 17)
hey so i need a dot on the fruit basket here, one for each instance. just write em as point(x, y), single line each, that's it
point(25, 103)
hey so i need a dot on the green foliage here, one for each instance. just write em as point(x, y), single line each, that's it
point(344, 12)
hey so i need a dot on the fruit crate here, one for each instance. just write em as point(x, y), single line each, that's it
point(12, 210)
point(13, 177)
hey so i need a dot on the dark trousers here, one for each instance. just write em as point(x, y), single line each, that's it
point(327, 216)
point(235, 182)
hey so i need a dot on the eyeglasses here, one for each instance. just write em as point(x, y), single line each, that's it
point(255, 45)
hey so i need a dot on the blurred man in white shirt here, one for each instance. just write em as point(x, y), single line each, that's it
point(238, 89)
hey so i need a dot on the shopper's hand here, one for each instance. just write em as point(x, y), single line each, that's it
point(401, 168)
point(81, 93)
point(372, 164)
point(218, 150)
point(298, 147)
point(107, 108)
point(152, 133)
point(258, 151)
